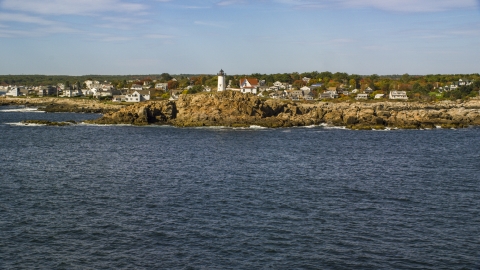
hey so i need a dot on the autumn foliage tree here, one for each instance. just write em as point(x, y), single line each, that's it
point(172, 84)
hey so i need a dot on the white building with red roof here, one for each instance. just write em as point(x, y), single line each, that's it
point(249, 85)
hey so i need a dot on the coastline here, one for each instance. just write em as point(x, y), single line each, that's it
point(232, 109)
point(52, 104)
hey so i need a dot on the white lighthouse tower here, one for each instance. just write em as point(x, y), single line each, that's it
point(221, 81)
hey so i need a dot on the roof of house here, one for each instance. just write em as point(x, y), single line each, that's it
point(252, 81)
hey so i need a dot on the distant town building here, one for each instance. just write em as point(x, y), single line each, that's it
point(368, 90)
point(249, 85)
point(316, 85)
point(398, 95)
point(137, 96)
point(47, 91)
point(329, 94)
point(361, 96)
point(13, 92)
point(161, 86)
point(137, 87)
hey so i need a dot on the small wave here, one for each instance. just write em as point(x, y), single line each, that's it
point(329, 126)
point(104, 125)
point(22, 110)
point(20, 124)
point(210, 127)
point(257, 127)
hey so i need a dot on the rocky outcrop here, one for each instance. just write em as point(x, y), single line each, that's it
point(237, 109)
point(63, 104)
point(141, 114)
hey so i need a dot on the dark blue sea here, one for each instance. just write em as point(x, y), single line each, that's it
point(125, 197)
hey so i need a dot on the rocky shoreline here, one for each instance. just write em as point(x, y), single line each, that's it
point(234, 109)
point(62, 104)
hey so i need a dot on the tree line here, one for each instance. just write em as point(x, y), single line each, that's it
point(418, 86)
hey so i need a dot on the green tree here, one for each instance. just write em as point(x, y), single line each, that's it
point(165, 77)
point(195, 89)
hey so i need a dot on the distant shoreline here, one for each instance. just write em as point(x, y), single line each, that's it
point(51, 104)
point(233, 109)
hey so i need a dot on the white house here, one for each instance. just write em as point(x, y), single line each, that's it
point(453, 86)
point(161, 86)
point(379, 96)
point(305, 88)
point(88, 83)
point(87, 92)
point(464, 82)
point(329, 94)
point(93, 91)
point(136, 87)
point(70, 92)
point(103, 93)
point(280, 85)
point(107, 86)
point(361, 96)
point(13, 92)
point(249, 85)
point(398, 95)
point(137, 96)
point(305, 79)
point(118, 98)
point(92, 84)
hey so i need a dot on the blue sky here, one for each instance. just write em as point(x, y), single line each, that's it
point(79, 37)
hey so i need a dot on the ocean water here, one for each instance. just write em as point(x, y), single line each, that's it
point(124, 197)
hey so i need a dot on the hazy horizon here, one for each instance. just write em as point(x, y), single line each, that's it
point(128, 37)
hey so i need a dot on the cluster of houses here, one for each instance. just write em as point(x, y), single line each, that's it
point(281, 90)
point(95, 89)
point(141, 91)
point(454, 85)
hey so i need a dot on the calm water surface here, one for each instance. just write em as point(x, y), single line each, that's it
point(98, 197)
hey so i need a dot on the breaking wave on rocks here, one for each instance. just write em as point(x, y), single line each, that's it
point(31, 109)
point(20, 124)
